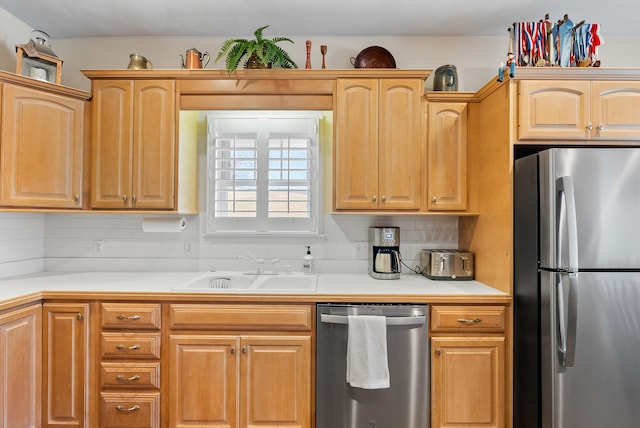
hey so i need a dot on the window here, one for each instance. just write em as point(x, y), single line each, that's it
point(262, 172)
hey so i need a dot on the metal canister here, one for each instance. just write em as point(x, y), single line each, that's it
point(445, 78)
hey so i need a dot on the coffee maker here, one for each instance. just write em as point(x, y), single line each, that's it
point(384, 252)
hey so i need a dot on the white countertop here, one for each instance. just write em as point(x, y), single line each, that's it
point(163, 282)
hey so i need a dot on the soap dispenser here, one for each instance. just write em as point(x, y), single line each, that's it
point(307, 261)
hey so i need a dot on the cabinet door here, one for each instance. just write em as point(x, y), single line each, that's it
point(615, 110)
point(154, 157)
point(276, 381)
point(203, 381)
point(21, 368)
point(399, 145)
point(42, 149)
point(112, 144)
point(468, 382)
point(356, 144)
point(66, 330)
point(447, 157)
point(554, 109)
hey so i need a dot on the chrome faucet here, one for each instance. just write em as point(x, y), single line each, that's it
point(259, 264)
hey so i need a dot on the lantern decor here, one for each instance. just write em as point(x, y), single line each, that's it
point(35, 59)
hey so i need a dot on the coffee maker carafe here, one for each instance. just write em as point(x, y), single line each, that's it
point(384, 252)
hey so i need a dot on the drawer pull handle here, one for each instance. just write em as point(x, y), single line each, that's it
point(128, 379)
point(129, 318)
point(130, 348)
point(125, 409)
point(468, 321)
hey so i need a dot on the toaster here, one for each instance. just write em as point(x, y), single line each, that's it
point(446, 264)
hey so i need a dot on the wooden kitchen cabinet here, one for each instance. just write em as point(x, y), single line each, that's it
point(238, 371)
point(65, 364)
point(468, 367)
point(42, 148)
point(21, 367)
point(447, 157)
point(130, 367)
point(377, 163)
point(134, 148)
point(579, 110)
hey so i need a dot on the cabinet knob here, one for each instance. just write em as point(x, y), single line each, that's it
point(589, 126)
point(600, 127)
point(233, 350)
point(434, 199)
point(76, 197)
point(133, 198)
point(244, 349)
point(384, 198)
point(438, 352)
point(79, 316)
point(124, 198)
point(375, 198)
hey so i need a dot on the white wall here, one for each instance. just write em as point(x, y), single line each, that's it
point(21, 243)
point(476, 59)
point(12, 32)
point(69, 244)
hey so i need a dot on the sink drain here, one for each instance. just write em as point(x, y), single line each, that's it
point(220, 282)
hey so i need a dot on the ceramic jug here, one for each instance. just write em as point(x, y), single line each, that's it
point(195, 59)
point(138, 62)
point(445, 78)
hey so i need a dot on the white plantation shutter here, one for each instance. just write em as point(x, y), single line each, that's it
point(262, 174)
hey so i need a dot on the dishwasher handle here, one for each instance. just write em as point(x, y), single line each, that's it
point(344, 319)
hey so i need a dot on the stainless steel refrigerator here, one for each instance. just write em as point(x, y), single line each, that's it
point(577, 288)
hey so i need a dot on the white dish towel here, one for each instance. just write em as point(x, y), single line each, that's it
point(367, 364)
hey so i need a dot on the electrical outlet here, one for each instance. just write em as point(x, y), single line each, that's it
point(360, 249)
point(98, 247)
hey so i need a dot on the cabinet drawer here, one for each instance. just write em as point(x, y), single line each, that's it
point(245, 317)
point(484, 319)
point(130, 375)
point(131, 345)
point(135, 410)
point(144, 316)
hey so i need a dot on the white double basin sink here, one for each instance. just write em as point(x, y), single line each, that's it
point(239, 282)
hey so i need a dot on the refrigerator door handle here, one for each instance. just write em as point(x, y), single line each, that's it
point(564, 186)
point(567, 313)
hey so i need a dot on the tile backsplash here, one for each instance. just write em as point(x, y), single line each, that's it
point(33, 242)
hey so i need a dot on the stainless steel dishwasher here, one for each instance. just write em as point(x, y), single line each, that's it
point(406, 403)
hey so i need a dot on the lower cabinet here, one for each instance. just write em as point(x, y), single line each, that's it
point(21, 367)
point(468, 372)
point(257, 377)
point(65, 369)
point(130, 350)
point(242, 381)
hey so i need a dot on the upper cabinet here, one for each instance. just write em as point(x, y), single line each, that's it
point(42, 147)
point(579, 110)
point(378, 146)
point(447, 156)
point(134, 148)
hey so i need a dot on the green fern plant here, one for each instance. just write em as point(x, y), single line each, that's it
point(265, 52)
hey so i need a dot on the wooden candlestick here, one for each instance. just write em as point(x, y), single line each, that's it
point(308, 64)
point(323, 51)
